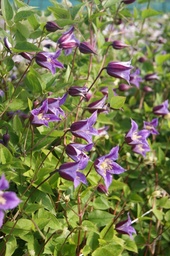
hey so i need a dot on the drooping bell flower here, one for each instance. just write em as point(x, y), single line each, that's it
point(52, 26)
point(49, 60)
point(70, 171)
point(102, 189)
point(119, 70)
point(54, 105)
point(25, 55)
point(84, 128)
point(8, 199)
point(124, 227)
point(78, 91)
point(77, 151)
point(106, 166)
point(68, 41)
point(134, 136)
point(147, 89)
point(86, 48)
point(151, 126)
point(99, 105)
point(118, 45)
point(141, 148)
point(135, 78)
point(161, 109)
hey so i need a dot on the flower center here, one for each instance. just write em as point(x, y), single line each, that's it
point(106, 165)
point(135, 136)
point(2, 199)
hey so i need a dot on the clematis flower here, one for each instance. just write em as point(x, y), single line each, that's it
point(86, 48)
point(68, 41)
point(124, 227)
point(119, 70)
point(141, 148)
point(161, 109)
point(151, 126)
point(8, 200)
point(106, 166)
point(54, 105)
point(48, 60)
point(78, 91)
point(124, 87)
point(70, 171)
point(151, 77)
point(102, 189)
point(134, 136)
point(76, 152)
point(135, 78)
point(83, 128)
point(98, 105)
point(41, 116)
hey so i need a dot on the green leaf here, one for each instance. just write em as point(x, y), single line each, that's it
point(149, 13)
point(130, 244)
point(160, 59)
point(135, 198)
point(167, 216)
point(110, 249)
point(101, 203)
point(158, 214)
point(5, 155)
point(25, 47)
point(17, 104)
point(107, 232)
point(117, 102)
point(23, 15)
point(100, 218)
point(7, 10)
point(9, 63)
point(59, 13)
point(11, 246)
point(22, 29)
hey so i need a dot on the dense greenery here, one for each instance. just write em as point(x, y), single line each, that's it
point(75, 197)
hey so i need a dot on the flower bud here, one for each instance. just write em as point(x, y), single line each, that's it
point(151, 77)
point(147, 89)
point(102, 189)
point(142, 59)
point(7, 44)
point(6, 138)
point(104, 90)
point(86, 48)
point(51, 26)
point(128, 1)
point(118, 45)
point(25, 55)
point(78, 91)
point(124, 87)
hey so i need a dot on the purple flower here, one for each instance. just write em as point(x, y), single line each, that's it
point(86, 48)
point(41, 116)
point(7, 44)
point(48, 60)
point(83, 129)
point(54, 105)
point(2, 94)
point(141, 148)
point(106, 166)
point(102, 189)
point(135, 78)
point(98, 105)
point(68, 41)
point(51, 26)
point(124, 227)
point(70, 171)
point(150, 126)
point(124, 87)
point(78, 91)
point(134, 136)
point(119, 70)
point(8, 200)
point(76, 152)
point(128, 1)
point(161, 109)
point(118, 45)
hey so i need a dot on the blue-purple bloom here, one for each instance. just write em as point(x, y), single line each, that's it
point(124, 227)
point(8, 200)
point(77, 151)
point(119, 70)
point(106, 166)
point(151, 126)
point(70, 171)
point(78, 91)
point(68, 41)
point(84, 128)
point(118, 45)
point(49, 60)
point(98, 105)
point(137, 139)
point(49, 111)
point(161, 109)
point(52, 26)
point(86, 48)
point(135, 78)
